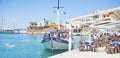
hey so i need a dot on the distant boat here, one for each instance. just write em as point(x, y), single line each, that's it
point(8, 31)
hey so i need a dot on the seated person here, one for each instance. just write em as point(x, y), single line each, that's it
point(55, 35)
point(115, 46)
point(118, 48)
point(105, 41)
point(100, 41)
point(94, 46)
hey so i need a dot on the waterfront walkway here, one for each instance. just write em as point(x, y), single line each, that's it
point(86, 54)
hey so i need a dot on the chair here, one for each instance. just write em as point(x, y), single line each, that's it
point(115, 46)
point(87, 45)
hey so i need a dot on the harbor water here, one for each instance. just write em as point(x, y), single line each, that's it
point(27, 46)
point(23, 46)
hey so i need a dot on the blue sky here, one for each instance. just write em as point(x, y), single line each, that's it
point(21, 12)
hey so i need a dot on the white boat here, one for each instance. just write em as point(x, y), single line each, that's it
point(8, 31)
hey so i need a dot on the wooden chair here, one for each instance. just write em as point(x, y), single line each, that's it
point(96, 45)
point(82, 45)
point(109, 49)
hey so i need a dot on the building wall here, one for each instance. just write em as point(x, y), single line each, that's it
point(38, 26)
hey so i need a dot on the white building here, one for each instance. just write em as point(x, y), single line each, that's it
point(106, 19)
point(36, 26)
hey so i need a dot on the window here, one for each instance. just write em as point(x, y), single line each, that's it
point(87, 19)
point(40, 24)
point(104, 16)
point(96, 16)
point(83, 20)
point(35, 23)
point(32, 24)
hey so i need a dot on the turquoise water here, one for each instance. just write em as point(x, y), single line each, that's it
point(25, 46)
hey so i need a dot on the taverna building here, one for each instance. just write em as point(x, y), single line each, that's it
point(106, 19)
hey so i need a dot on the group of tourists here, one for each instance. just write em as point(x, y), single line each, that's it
point(111, 42)
point(64, 34)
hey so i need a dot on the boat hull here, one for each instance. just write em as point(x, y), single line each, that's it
point(6, 32)
point(55, 43)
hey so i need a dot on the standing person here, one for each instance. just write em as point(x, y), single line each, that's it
point(95, 37)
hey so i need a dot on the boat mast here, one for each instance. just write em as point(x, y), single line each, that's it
point(1, 22)
point(58, 11)
point(13, 25)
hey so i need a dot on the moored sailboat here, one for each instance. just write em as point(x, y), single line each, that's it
point(58, 39)
point(7, 30)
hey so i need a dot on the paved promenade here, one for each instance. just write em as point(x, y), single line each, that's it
point(87, 54)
